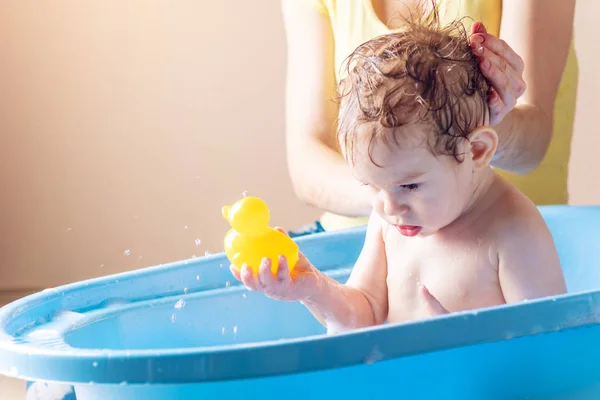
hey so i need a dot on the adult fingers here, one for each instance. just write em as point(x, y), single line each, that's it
point(478, 27)
point(504, 78)
point(500, 48)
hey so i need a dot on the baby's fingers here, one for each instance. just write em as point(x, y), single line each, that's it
point(235, 272)
point(280, 229)
point(266, 280)
point(248, 278)
point(283, 270)
point(434, 307)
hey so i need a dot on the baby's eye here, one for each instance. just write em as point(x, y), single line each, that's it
point(410, 187)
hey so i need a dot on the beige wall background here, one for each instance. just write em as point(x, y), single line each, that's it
point(126, 125)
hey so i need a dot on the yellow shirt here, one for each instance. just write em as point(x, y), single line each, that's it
point(355, 21)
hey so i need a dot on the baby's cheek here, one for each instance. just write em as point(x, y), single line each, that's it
point(377, 204)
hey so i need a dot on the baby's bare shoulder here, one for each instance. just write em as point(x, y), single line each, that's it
point(529, 264)
point(517, 217)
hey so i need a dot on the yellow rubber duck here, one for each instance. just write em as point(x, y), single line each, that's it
point(250, 238)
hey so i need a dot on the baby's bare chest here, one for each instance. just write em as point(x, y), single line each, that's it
point(460, 274)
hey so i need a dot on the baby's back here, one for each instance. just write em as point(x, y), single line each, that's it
point(502, 251)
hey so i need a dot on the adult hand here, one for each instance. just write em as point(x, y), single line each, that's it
point(502, 67)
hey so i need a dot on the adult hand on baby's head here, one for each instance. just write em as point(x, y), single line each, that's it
point(502, 67)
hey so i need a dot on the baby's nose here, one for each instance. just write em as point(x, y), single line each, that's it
point(393, 208)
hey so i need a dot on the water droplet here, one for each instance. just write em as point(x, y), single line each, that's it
point(185, 227)
point(227, 284)
point(222, 330)
point(245, 193)
point(207, 253)
point(127, 252)
point(185, 290)
point(235, 329)
point(69, 229)
point(374, 356)
point(101, 266)
point(140, 257)
point(244, 295)
point(220, 265)
point(198, 242)
point(173, 318)
point(95, 364)
point(197, 277)
point(180, 304)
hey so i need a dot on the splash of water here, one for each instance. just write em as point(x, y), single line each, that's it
point(245, 193)
point(180, 304)
point(127, 252)
point(198, 242)
point(374, 356)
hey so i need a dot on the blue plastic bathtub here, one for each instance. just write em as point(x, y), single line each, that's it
point(188, 330)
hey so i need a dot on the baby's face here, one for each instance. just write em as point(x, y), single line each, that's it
point(416, 191)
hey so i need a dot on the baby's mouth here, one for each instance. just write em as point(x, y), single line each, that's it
point(409, 230)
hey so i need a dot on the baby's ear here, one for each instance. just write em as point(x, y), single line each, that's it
point(483, 143)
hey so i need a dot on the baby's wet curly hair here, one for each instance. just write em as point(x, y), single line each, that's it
point(424, 73)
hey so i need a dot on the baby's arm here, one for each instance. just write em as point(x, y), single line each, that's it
point(363, 300)
point(529, 265)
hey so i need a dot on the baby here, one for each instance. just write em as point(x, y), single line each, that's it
point(446, 233)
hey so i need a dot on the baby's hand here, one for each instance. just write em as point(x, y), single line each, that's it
point(298, 286)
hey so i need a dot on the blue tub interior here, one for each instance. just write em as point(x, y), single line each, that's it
point(188, 329)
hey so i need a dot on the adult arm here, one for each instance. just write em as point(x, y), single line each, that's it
point(540, 32)
point(320, 175)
